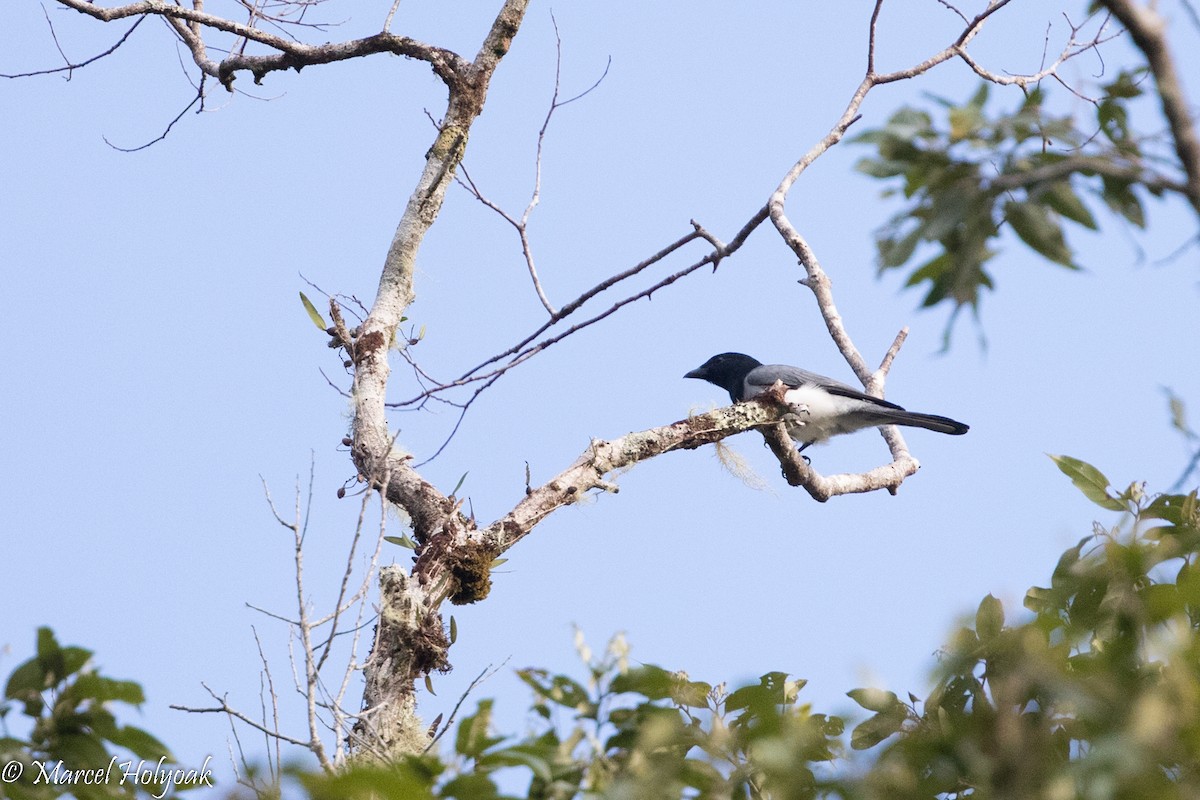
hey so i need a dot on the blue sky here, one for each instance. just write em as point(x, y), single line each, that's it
point(159, 361)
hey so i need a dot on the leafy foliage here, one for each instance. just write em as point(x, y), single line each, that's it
point(312, 312)
point(73, 729)
point(1095, 696)
point(964, 176)
point(1094, 692)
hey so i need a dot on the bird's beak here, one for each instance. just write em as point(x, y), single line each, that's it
point(698, 372)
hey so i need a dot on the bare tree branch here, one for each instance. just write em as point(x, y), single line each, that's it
point(528, 347)
point(1071, 49)
point(454, 554)
point(522, 225)
point(486, 673)
point(71, 66)
point(815, 277)
point(408, 623)
point(454, 557)
point(269, 688)
point(1129, 170)
point(1149, 32)
point(291, 54)
point(199, 98)
point(233, 713)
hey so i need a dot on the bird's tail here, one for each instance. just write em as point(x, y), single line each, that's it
point(930, 422)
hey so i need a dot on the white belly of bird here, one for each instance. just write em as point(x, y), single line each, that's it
point(820, 414)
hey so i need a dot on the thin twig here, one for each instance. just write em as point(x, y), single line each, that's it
point(228, 710)
point(522, 225)
point(961, 15)
point(815, 277)
point(299, 528)
point(527, 347)
point(352, 665)
point(346, 573)
point(1071, 49)
point(71, 66)
point(199, 98)
point(271, 614)
point(487, 672)
point(277, 764)
point(875, 385)
point(387, 23)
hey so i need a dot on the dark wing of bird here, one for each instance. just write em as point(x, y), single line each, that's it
point(761, 378)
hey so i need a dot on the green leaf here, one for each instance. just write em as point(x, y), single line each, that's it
point(894, 252)
point(879, 727)
point(1114, 121)
point(26, 679)
point(946, 215)
point(313, 314)
point(140, 743)
point(91, 686)
point(772, 689)
point(403, 541)
point(560, 689)
point(989, 619)
point(99, 719)
point(521, 755)
point(472, 738)
point(874, 699)
point(965, 122)
point(1034, 225)
point(458, 485)
point(1126, 84)
point(1120, 198)
point(1040, 599)
point(1064, 571)
point(1089, 480)
point(979, 99)
point(411, 779)
point(75, 658)
point(692, 694)
point(881, 167)
point(1178, 412)
point(648, 680)
point(944, 102)
point(453, 630)
point(1173, 508)
point(908, 124)
point(50, 657)
point(937, 271)
point(79, 750)
point(1062, 199)
point(702, 776)
point(831, 726)
point(1162, 601)
point(1187, 582)
point(1033, 98)
point(471, 786)
point(47, 644)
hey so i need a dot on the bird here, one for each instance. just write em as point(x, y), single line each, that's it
point(822, 406)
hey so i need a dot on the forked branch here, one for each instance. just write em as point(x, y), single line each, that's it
point(191, 23)
point(1149, 32)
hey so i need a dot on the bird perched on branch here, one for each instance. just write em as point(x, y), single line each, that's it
point(822, 407)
